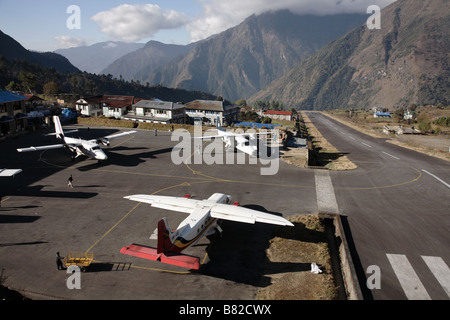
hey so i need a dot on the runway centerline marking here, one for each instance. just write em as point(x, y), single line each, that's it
point(390, 155)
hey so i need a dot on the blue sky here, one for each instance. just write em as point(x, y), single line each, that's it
point(42, 25)
point(38, 24)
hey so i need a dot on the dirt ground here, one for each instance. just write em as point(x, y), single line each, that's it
point(327, 155)
point(288, 263)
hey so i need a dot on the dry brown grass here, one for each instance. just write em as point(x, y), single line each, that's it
point(296, 156)
point(327, 153)
point(289, 257)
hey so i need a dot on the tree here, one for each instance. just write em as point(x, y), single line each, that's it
point(424, 126)
point(28, 80)
point(266, 120)
point(51, 88)
point(12, 86)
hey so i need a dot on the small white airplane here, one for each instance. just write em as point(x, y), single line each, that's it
point(245, 142)
point(202, 221)
point(89, 148)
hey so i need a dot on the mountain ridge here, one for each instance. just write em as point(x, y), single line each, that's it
point(404, 62)
point(240, 61)
point(11, 49)
point(94, 58)
point(134, 65)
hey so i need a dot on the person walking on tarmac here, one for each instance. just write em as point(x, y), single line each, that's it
point(59, 263)
point(69, 181)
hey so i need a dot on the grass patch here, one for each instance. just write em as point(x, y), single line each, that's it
point(116, 123)
point(288, 262)
point(105, 122)
point(296, 156)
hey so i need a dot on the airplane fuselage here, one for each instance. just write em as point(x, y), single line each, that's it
point(246, 145)
point(85, 147)
point(199, 223)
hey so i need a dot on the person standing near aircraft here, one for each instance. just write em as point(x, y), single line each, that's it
point(59, 263)
point(70, 182)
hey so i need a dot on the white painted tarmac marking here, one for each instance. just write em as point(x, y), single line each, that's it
point(154, 235)
point(410, 282)
point(326, 199)
point(390, 155)
point(440, 270)
point(368, 145)
point(437, 178)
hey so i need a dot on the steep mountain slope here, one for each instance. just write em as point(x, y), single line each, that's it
point(240, 61)
point(11, 49)
point(30, 71)
point(138, 64)
point(96, 57)
point(404, 62)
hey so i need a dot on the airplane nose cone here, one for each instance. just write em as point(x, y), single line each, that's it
point(101, 155)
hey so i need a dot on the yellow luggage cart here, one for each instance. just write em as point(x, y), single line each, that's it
point(79, 259)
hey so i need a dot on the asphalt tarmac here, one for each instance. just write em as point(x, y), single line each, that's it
point(397, 204)
point(394, 205)
point(41, 215)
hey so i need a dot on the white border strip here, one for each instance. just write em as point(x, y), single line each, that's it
point(437, 178)
point(440, 270)
point(410, 282)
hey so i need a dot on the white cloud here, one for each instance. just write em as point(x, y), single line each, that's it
point(135, 22)
point(65, 42)
point(219, 15)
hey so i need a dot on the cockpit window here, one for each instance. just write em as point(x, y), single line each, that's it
point(96, 148)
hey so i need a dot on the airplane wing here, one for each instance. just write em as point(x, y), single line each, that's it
point(9, 172)
point(119, 135)
point(65, 132)
point(165, 202)
point(237, 135)
point(241, 214)
point(218, 210)
point(54, 146)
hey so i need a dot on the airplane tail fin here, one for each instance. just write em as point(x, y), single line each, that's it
point(164, 235)
point(58, 128)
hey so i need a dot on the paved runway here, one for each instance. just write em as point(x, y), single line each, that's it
point(40, 215)
point(397, 205)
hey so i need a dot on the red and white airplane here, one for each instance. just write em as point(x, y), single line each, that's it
point(202, 221)
point(89, 148)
